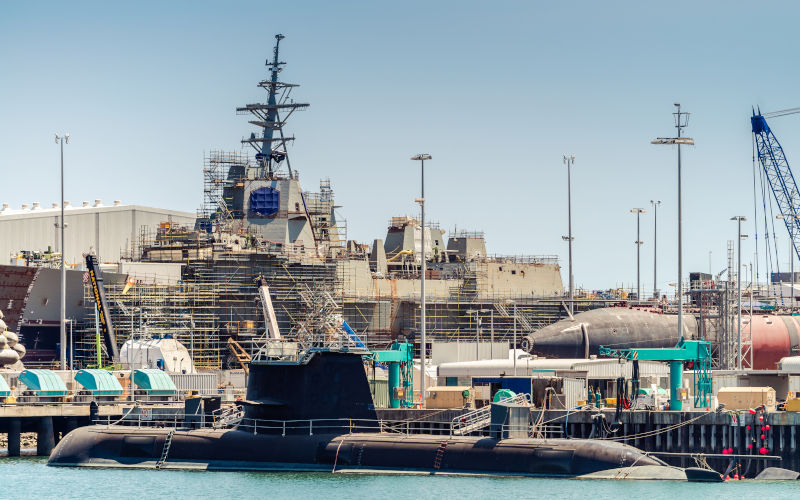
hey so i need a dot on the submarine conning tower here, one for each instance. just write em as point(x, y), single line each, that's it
point(321, 381)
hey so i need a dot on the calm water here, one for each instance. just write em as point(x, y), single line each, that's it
point(30, 478)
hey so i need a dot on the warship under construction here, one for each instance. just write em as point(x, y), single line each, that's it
point(198, 283)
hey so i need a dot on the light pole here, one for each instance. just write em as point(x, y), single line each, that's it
point(423, 267)
point(739, 219)
point(63, 337)
point(680, 123)
point(569, 161)
point(655, 204)
point(638, 212)
point(710, 272)
point(477, 313)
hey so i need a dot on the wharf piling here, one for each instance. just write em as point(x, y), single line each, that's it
point(682, 438)
point(51, 422)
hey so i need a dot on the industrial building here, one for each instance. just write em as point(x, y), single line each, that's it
point(110, 231)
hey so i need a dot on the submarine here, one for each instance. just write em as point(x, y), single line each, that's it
point(773, 337)
point(314, 412)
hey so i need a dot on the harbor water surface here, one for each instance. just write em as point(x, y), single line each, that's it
point(30, 477)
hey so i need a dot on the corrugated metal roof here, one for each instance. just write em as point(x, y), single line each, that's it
point(43, 382)
point(99, 382)
point(154, 381)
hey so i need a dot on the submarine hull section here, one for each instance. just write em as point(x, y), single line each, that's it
point(208, 449)
point(615, 327)
point(773, 338)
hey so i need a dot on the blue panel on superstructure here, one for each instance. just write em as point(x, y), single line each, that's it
point(265, 201)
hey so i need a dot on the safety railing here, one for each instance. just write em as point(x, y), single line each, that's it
point(302, 427)
point(300, 350)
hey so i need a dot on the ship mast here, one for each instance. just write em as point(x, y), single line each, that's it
point(271, 116)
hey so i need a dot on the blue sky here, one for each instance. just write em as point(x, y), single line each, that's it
point(495, 91)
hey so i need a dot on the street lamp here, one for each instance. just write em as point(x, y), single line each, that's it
point(569, 161)
point(477, 313)
point(423, 267)
point(638, 212)
point(655, 204)
point(739, 219)
point(514, 350)
point(63, 317)
point(791, 226)
point(680, 123)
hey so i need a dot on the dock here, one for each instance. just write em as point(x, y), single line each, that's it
point(52, 421)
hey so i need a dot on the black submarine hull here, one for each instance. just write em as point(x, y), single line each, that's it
point(317, 415)
point(209, 449)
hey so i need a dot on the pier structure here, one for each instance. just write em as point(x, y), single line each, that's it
point(51, 422)
point(685, 439)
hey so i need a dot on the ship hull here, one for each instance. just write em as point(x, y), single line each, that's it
point(209, 449)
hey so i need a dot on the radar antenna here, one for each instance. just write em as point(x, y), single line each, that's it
point(271, 150)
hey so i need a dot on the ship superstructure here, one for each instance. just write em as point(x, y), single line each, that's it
point(256, 222)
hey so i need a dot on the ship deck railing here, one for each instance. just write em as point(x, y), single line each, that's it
point(303, 348)
point(312, 427)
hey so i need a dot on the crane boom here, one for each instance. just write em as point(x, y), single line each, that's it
point(107, 328)
point(779, 175)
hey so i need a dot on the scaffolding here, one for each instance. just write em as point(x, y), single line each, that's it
point(221, 170)
point(215, 300)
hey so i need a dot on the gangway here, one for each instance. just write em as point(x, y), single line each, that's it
point(482, 417)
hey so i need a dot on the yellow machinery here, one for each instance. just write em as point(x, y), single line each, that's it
point(792, 401)
point(241, 355)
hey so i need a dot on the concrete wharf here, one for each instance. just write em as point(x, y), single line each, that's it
point(679, 438)
point(52, 421)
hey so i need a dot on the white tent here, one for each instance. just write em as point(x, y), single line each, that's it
point(163, 353)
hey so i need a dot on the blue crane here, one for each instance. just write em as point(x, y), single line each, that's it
point(777, 172)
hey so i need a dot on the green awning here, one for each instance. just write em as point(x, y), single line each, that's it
point(43, 382)
point(5, 390)
point(154, 381)
point(99, 382)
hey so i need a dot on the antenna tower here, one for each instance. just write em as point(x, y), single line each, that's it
point(270, 143)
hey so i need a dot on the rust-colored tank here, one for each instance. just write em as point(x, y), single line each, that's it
point(774, 337)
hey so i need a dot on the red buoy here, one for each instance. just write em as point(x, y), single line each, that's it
point(766, 427)
point(752, 411)
point(748, 427)
point(763, 437)
point(750, 446)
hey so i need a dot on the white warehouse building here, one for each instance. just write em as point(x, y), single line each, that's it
point(107, 230)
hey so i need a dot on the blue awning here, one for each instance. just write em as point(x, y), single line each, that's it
point(154, 381)
point(99, 382)
point(43, 382)
point(5, 390)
